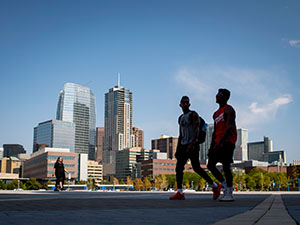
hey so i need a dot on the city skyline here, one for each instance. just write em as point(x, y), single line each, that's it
point(163, 50)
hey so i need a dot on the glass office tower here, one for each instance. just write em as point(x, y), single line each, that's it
point(55, 134)
point(76, 104)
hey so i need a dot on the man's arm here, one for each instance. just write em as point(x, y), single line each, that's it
point(196, 124)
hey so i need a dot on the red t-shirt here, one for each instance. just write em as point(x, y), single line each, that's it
point(221, 127)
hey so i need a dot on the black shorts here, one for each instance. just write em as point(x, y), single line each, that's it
point(223, 155)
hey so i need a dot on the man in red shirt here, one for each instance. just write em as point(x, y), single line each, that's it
point(223, 143)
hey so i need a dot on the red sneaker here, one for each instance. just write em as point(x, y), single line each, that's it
point(177, 196)
point(217, 191)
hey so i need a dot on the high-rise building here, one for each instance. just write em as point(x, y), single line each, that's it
point(76, 104)
point(12, 150)
point(165, 144)
point(256, 150)
point(1, 152)
point(99, 143)
point(138, 137)
point(241, 146)
point(206, 144)
point(117, 126)
point(54, 134)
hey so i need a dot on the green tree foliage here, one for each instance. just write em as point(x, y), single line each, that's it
point(81, 182)
point(3, 186)
point(32, 184)
point(14, 185)
point(171, 179)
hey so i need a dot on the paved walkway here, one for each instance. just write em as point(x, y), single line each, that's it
point(30, 207)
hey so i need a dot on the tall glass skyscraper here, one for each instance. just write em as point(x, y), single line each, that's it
point(76, 104)
point(117, 125)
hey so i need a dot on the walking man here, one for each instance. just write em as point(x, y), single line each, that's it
point(223, 143)
point(188, 148)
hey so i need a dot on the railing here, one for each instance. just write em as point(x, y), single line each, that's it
point(288, 183)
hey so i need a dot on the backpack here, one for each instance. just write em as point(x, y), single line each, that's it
point(202, 128)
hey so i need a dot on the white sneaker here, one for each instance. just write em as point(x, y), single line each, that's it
point(227, 197)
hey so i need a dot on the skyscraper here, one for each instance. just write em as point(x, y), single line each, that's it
point(206, 144)
point(241, 146)
point(55, 134)
point(117, 125)
point(76, 104)
point(99, 143)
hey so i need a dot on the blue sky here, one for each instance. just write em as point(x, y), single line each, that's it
point(163, 50)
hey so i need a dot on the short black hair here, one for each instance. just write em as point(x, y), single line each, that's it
point(225, 93)
point(185, 97)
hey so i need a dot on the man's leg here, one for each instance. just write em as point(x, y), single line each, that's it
point(213, 169)
point(228, 174)
point(181, 157)
point(179, 171)
point(197, 168)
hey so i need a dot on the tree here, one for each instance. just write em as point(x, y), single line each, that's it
point(116, 181)
point(158, 182)
point(3, 186)
point(147, 184)
point(239, 179)
point(164, 182)
point(81, 182)
point(171, 179)
point(33, 184)
point(15, 184)
point(91, 184)
point(295, 173)
point(122, 182)
point(138, 184)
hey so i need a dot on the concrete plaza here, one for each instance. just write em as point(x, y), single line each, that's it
point(84, 207)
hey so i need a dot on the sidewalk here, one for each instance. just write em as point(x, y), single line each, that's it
point(32, 207)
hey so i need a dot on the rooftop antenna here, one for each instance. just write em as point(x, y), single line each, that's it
point(119, 80)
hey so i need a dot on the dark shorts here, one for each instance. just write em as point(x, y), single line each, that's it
point(181, 152)
point(223, 155)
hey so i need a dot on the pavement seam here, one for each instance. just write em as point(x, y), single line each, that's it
point(278, 214)
point(249, 217)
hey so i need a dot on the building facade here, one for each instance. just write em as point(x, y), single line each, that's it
point(10, 165)
point(138, 137)
point(41, 163)
point(256, 150)
point(54, 134)
point(241, 145)
point(117, 126)
point(206, 144)
point(99, 143)
point(154, 167)
point(165, 144)
point(128, 161)
point(95, 171)
point(12, 150)
point(76, 104)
